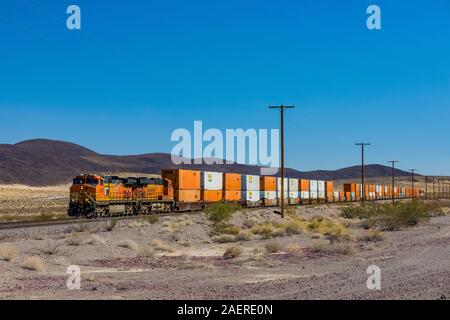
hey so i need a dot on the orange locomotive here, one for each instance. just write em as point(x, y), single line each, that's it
point(94, 195)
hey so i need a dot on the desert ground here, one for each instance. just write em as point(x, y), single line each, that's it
point(314, 253)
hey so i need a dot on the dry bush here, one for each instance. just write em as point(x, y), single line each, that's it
point(293, 248)
point(146, 251)
point(161, 246)
point(265, 230)
point(244, 235)
point(74, 241)
point(279, 232)
point(295, 226)
point(273, 247)
point(225, 238)
point(129, 244)
point(334, 231)
point(96, 240)
point(249, 223)
point(34, 263)
point(152, 218)
point(334, 248)
point(7, 252)
point(51, 247)
point(232, 252)
point(372, 236)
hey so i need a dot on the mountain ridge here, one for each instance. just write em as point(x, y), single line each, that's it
point(41, 162)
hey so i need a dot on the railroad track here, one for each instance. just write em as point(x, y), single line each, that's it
point(74, 221)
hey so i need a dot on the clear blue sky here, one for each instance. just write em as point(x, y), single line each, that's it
point(155, 66)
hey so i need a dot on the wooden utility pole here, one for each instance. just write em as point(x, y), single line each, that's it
point(412, 180)
point(393, 162)
point(363, 192)
point(282, 109)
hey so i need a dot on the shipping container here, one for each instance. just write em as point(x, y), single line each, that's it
point(286, 189)
point(232, 182)
point(212, 195)
point(293, 185)
point(187, 195)
point(269, 197)
point(321, 195)
point(211, 180)
point(250, 183)
point(294, 197)
point(304, 194)
point(313, 186)
point(232, 195)
point(304, 185)
point(329, 186)
point(268, 183)
point(313, 195)
point(183, 179)
point(251, 196)
point(321, 186)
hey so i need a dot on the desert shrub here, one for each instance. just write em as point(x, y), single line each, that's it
point(7, 252)
point(152, 218)
point(129, 244)
point(225, 238)
point(393, 216)
point(146, 251)
point(295, 227)
point(372, 236)
point(34, 263)
point(334, 230)
point(279, 232)
point(51, 247)
point(232, 252)
point(161, 246)
point(265, 230)
point(219, 213)
point(249, 223)
point(244, 235)
point(273, 247)
point(74, 241)
point(335, 248)
point(293, 248)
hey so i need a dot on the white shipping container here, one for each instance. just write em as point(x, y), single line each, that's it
point(336, 195)
point(304, 195)
point(353, 195)
point(313, 195)
point(293, 185)
point(321, 195)
point(321, 186)
point(250, 183)
point(286, 183)
point(313, 186)
point(293, 194)
point(251, 196)
point(211, 180)
point(270, 195)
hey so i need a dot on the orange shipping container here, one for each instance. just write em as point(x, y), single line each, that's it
point(268, 184)
point(232, 195)
point(183, 179)
point(304, 185)
point(329, 186)
point(232, 181)
point(348, 196)
point(187, 195)
point(212, 195)
point(341, 195)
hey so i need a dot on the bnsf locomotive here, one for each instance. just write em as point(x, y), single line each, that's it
point(187, 190)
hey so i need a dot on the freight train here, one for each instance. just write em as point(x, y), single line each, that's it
point(180, 190)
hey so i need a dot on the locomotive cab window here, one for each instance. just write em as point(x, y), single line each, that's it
point(78, 181)
point(92, 181)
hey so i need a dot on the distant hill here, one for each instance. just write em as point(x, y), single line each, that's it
point(46, 162)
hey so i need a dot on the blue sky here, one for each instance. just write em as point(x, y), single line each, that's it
point(137, 70)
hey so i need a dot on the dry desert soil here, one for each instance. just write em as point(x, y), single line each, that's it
point(178, 257)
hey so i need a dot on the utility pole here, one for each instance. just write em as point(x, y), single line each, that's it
point(282, 109)
point(362, 144)
point(393, 162)
point(434, 194)
point(426, 188)
point(412, 180)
